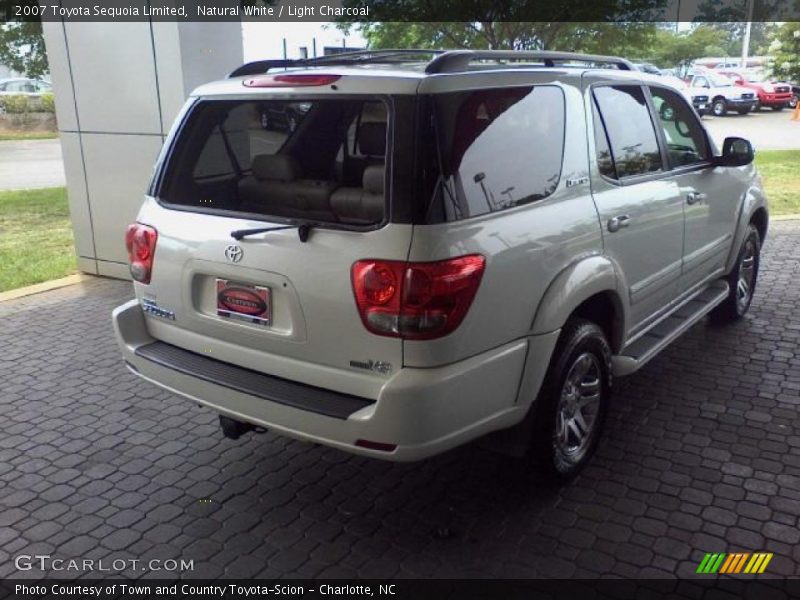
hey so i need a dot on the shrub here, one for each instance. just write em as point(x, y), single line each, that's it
point(15, 105)
point(48, 103)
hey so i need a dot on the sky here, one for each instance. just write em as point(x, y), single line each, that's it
point(265, 40)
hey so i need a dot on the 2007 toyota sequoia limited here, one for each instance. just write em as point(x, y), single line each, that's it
point(395, 252)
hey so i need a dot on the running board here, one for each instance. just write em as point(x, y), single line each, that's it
point(635, 355)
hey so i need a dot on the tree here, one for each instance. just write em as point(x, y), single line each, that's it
point(598, 26)
point(671, 49)
point(22, 48)
point(785, 51)
point(630, 39)
point(760, 34)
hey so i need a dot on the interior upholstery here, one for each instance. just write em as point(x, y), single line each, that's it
point(275, 187)
point(372, 138)
point(361, 205)
point(275, 167)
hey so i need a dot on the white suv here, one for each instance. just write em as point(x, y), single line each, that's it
point(446, 244)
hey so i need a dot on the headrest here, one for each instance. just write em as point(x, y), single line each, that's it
point(372, 181)
point(372, 138)
point(275, 167)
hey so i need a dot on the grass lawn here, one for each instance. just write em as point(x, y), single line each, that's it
point(35, 237)
point(779, 170)
point(27, 135)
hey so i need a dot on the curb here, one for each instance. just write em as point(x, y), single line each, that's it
point(790, 217)
point(47, 286)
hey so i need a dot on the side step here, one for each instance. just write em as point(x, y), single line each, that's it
point(636, 354)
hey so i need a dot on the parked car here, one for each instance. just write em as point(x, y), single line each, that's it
point(285, 117)
point(488, 250)
point(648, 68)
point(25, 87)
point(724, 94)
point(775, 95)
point(697, 96)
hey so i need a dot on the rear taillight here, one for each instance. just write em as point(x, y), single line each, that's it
point(140, 240)
point(416, 301)
point(315, 79)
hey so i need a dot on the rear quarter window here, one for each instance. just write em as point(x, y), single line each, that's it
point(491, 150)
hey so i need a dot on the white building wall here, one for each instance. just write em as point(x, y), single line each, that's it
point(118, 87)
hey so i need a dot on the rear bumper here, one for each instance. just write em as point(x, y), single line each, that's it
point(422, 412)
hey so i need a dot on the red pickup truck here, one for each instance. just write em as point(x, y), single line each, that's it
point(773, 94)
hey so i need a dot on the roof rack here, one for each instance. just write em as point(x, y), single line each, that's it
point(387, 56)
point(444, 61)
point(456, 61)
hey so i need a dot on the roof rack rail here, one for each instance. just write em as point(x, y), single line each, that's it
point(455, 61)
point(342, 58)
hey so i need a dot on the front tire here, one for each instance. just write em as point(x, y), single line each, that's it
point(719, 108)
point(742, 280)
point(572, 402)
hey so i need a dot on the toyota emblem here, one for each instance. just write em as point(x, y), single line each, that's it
point(234, 253)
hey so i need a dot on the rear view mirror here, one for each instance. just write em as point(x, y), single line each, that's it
point(736, 152)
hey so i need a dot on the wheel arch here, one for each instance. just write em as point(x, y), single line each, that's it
point(754, 211)
point(589, 289)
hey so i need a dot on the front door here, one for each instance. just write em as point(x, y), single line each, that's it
point(710, 195)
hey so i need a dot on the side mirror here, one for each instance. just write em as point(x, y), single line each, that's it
point(736, 152)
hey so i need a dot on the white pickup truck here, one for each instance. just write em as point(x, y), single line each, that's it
point(724, 95)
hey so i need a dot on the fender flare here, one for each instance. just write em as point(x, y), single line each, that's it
point(574, 285)
point(752, 201)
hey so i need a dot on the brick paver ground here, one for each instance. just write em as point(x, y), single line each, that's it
point(701, 453)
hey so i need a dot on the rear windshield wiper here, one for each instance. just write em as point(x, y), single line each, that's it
point(302, 231)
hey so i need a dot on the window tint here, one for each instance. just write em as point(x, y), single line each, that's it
point(605, 163)
point(686, 142)
point(631, 136)
point(285, 159)
point(494, 149)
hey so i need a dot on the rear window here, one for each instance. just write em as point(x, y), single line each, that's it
point(309, 160)
point(490, 150)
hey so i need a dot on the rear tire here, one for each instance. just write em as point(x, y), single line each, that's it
point(742, 280)
point(571, 405)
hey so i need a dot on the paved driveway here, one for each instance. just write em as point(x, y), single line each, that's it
point(30, 164)
point(701, 454)
point(766, 129)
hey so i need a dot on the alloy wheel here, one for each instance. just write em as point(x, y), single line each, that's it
point(579, 407)
point(744, 285)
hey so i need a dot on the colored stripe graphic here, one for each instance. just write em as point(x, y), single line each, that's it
point(759, 562)
point(711, 563)
point(734, 563)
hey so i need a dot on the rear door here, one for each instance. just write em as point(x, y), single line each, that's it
point(640, 211)
point(276, 301)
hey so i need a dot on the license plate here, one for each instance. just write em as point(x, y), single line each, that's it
point(243, 302)
point(701, 106)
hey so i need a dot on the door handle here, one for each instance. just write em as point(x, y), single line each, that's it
point(618, 222)
point(695, 197)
